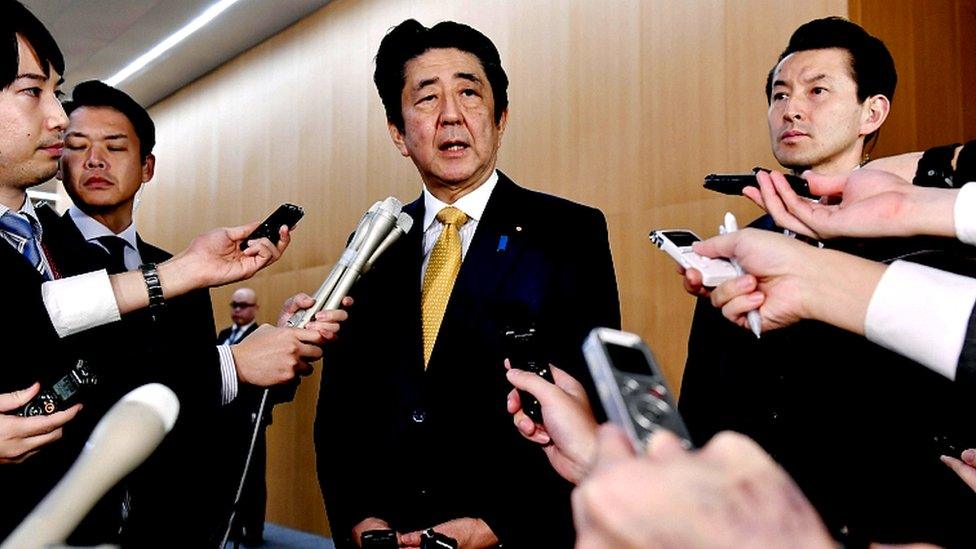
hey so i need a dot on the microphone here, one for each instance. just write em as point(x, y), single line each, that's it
point(121, 441)
point(381, 226)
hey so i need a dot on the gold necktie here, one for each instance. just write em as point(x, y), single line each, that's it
point(442, 269)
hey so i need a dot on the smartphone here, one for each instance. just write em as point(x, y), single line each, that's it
point(727, 183)
point(632, 389)
point(525, 353)
point(677, 244)
point(286, 214)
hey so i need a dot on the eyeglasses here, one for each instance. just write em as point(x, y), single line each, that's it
point(239, 305)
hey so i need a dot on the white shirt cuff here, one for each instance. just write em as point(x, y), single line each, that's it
point(228, 375)
point(922, 313)
point(79, 303)
point(965, 214)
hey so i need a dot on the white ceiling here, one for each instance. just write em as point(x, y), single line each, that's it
point(100, 37)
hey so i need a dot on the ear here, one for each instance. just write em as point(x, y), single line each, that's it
point(502, 123)
point(148, 168)
point(874, 113)
point(398, 138)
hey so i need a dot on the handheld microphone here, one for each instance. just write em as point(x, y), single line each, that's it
point(379, 228)
point(121, 441)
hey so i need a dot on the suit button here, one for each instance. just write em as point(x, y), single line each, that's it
point(418, 416)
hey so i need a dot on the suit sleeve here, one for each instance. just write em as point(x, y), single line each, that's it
point(350, 448)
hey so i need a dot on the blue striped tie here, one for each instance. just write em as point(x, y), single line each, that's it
point(20, 232)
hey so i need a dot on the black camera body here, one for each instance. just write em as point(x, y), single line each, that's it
point(63, 394)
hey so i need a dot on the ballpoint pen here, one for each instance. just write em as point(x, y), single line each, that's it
point(730, 226)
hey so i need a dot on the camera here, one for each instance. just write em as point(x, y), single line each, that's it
point(63, 394)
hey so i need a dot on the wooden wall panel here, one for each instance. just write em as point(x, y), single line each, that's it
point(936, 93)
point(624, 105)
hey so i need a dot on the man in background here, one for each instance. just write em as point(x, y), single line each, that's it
point(240, 417)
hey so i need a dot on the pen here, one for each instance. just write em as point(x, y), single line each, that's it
point(730, 226)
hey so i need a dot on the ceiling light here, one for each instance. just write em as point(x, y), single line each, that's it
point(172, 40)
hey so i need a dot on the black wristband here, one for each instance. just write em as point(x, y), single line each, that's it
point(966, 164)
point(156, 302)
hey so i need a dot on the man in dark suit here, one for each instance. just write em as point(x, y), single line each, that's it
point(108, 157)
point(828, 413)
point(240, 417)
point(412, 431)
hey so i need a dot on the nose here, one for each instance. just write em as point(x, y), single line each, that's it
point(95, 159)
point(450, 111)
point(794, 109)
point(57, 119)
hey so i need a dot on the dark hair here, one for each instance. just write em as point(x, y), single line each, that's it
point(16, 19)
point(872, 67)
point(410, 39)
point(99, 94)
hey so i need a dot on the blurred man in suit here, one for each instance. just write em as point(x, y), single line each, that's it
point(240, 418)
point(411, 431)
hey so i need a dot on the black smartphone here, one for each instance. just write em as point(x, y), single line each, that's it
point(286, 214)
point(524, 352)
point(733, 183)
point(379, 539)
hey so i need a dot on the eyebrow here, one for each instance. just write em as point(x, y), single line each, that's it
point(107, 137)
point(816, 78)
point(469, 76)
point(38, 77)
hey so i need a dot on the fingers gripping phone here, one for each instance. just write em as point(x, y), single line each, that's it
point(631, 387)
point(677, 244)
point(286, 214)
point(525, 353)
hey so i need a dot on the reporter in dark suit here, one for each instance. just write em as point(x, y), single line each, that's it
point(412, 430)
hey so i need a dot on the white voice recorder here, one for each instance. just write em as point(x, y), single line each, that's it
point(677, 244)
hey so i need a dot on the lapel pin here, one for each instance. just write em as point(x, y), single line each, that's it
point(518, 228)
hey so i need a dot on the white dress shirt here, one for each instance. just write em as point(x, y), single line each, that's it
point(86, 301)
point(921, 312)
point(472, 204)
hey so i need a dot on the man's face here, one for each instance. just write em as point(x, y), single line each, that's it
point(815, 119)
point(243, 307)
point(101, 168)
point(449, 125)
point(31, 123)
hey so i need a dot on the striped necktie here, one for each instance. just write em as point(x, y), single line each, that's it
point(20, 231)
point(442, 269)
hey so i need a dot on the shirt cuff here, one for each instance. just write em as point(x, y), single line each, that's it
point(79, 303)
point(228, 375)
point(965, 214)
point(921, 313)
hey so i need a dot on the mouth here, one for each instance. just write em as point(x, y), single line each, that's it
point(453, 146)
point(54, 148)
point(792, 135)
point(97, 182)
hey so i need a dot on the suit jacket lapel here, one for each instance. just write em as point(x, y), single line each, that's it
point(497, 243)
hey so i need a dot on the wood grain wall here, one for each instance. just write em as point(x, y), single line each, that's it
point(624, 105)
point(931, 41)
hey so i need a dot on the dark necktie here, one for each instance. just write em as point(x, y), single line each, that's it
point(116, 253)
point(21, 232)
